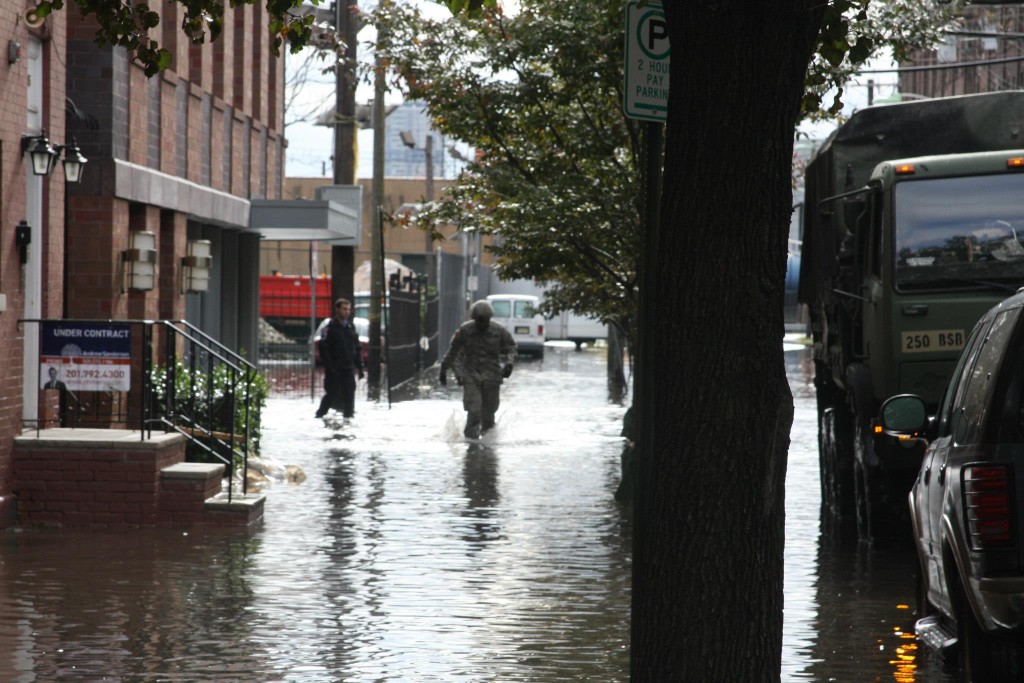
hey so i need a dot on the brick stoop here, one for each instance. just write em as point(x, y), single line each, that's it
point(190, 495)
point(114, 478)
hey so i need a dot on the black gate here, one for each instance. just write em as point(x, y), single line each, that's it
point(412, 334)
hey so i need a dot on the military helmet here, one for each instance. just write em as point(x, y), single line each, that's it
point(481, 310)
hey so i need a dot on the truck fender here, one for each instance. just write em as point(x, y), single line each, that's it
point(864, 408)
point(861, 392)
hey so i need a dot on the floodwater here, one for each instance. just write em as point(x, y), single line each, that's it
point(408, 555)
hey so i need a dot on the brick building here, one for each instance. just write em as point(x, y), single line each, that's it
point(179, 155)
point(986, 55)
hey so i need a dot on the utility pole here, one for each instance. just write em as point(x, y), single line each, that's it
point(409, 140)
point(347, 26)
point(428, 149)
point(377, 292)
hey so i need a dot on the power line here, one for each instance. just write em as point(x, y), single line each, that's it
point(940, 67)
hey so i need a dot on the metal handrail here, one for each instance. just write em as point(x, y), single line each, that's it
point(194, 428)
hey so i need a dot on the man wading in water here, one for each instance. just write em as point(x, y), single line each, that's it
point(480, 354)
point(343, 359)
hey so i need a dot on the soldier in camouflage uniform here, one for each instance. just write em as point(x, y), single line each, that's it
point(481, 354)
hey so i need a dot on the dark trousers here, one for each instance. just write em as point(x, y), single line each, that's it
point(340, 388)
point(481, 401)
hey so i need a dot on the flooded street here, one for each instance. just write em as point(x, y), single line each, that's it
point(409, 555)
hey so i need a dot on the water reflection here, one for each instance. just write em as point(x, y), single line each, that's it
point(480, 482)
point(114, 606)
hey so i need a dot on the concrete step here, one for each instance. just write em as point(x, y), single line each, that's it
point(191, 495)
point(237, 510)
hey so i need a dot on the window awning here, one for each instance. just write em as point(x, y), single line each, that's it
point(305, 220)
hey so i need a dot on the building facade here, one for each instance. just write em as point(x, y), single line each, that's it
point(986, 55)
point(175, 159)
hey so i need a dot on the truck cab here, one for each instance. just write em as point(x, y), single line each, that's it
point(914, 228)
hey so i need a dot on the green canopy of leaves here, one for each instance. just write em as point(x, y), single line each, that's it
point(555, 181)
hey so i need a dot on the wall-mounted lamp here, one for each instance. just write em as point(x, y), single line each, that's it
point(139, 261)
point(44, 156)
point(74, 162)
point(195, 268)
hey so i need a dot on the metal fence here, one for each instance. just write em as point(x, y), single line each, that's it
point(452, 298)
point(288, 357)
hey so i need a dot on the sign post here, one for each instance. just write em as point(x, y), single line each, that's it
point(647, 62)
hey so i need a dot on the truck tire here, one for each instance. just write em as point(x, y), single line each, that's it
point(869, 486)
point(836, 461)
point(865, 513)
point(984, 657)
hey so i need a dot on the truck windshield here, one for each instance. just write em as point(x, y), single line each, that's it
point(960, 233)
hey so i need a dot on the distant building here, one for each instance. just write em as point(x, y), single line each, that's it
point(403, 244)
point(401, 160)
point(990, 46)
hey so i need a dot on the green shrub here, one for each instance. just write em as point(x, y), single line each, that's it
point(206, 394)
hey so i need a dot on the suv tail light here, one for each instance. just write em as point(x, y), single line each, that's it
point(988, 504)
point(540, 330)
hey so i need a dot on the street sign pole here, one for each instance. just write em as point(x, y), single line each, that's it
point(646, 70)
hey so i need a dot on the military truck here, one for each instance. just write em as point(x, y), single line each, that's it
point(914, 227)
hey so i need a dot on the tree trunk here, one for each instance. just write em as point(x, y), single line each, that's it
point(714, 405)
point(616, 370)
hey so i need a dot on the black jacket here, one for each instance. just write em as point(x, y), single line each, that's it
point(339, 346)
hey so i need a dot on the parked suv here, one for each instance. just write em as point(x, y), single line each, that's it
point(967, 504)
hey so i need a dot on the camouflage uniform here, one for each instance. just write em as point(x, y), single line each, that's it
point(478, 359)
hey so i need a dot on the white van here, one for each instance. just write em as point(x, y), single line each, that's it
point(518, 314)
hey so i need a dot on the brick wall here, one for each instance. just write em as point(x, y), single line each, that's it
point(95, 246)
point(98, 486)
point(13, 125)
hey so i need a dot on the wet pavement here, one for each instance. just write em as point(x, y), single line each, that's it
point(410, 555)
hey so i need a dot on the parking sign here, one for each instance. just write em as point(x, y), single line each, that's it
point(647, 62)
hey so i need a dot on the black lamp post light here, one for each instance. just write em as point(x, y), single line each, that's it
point(44, 156)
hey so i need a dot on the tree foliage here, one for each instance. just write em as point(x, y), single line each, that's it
point(129, 24)
point(538, 95)
point(854, 31)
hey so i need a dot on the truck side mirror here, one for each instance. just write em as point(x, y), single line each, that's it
point(854, 211)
